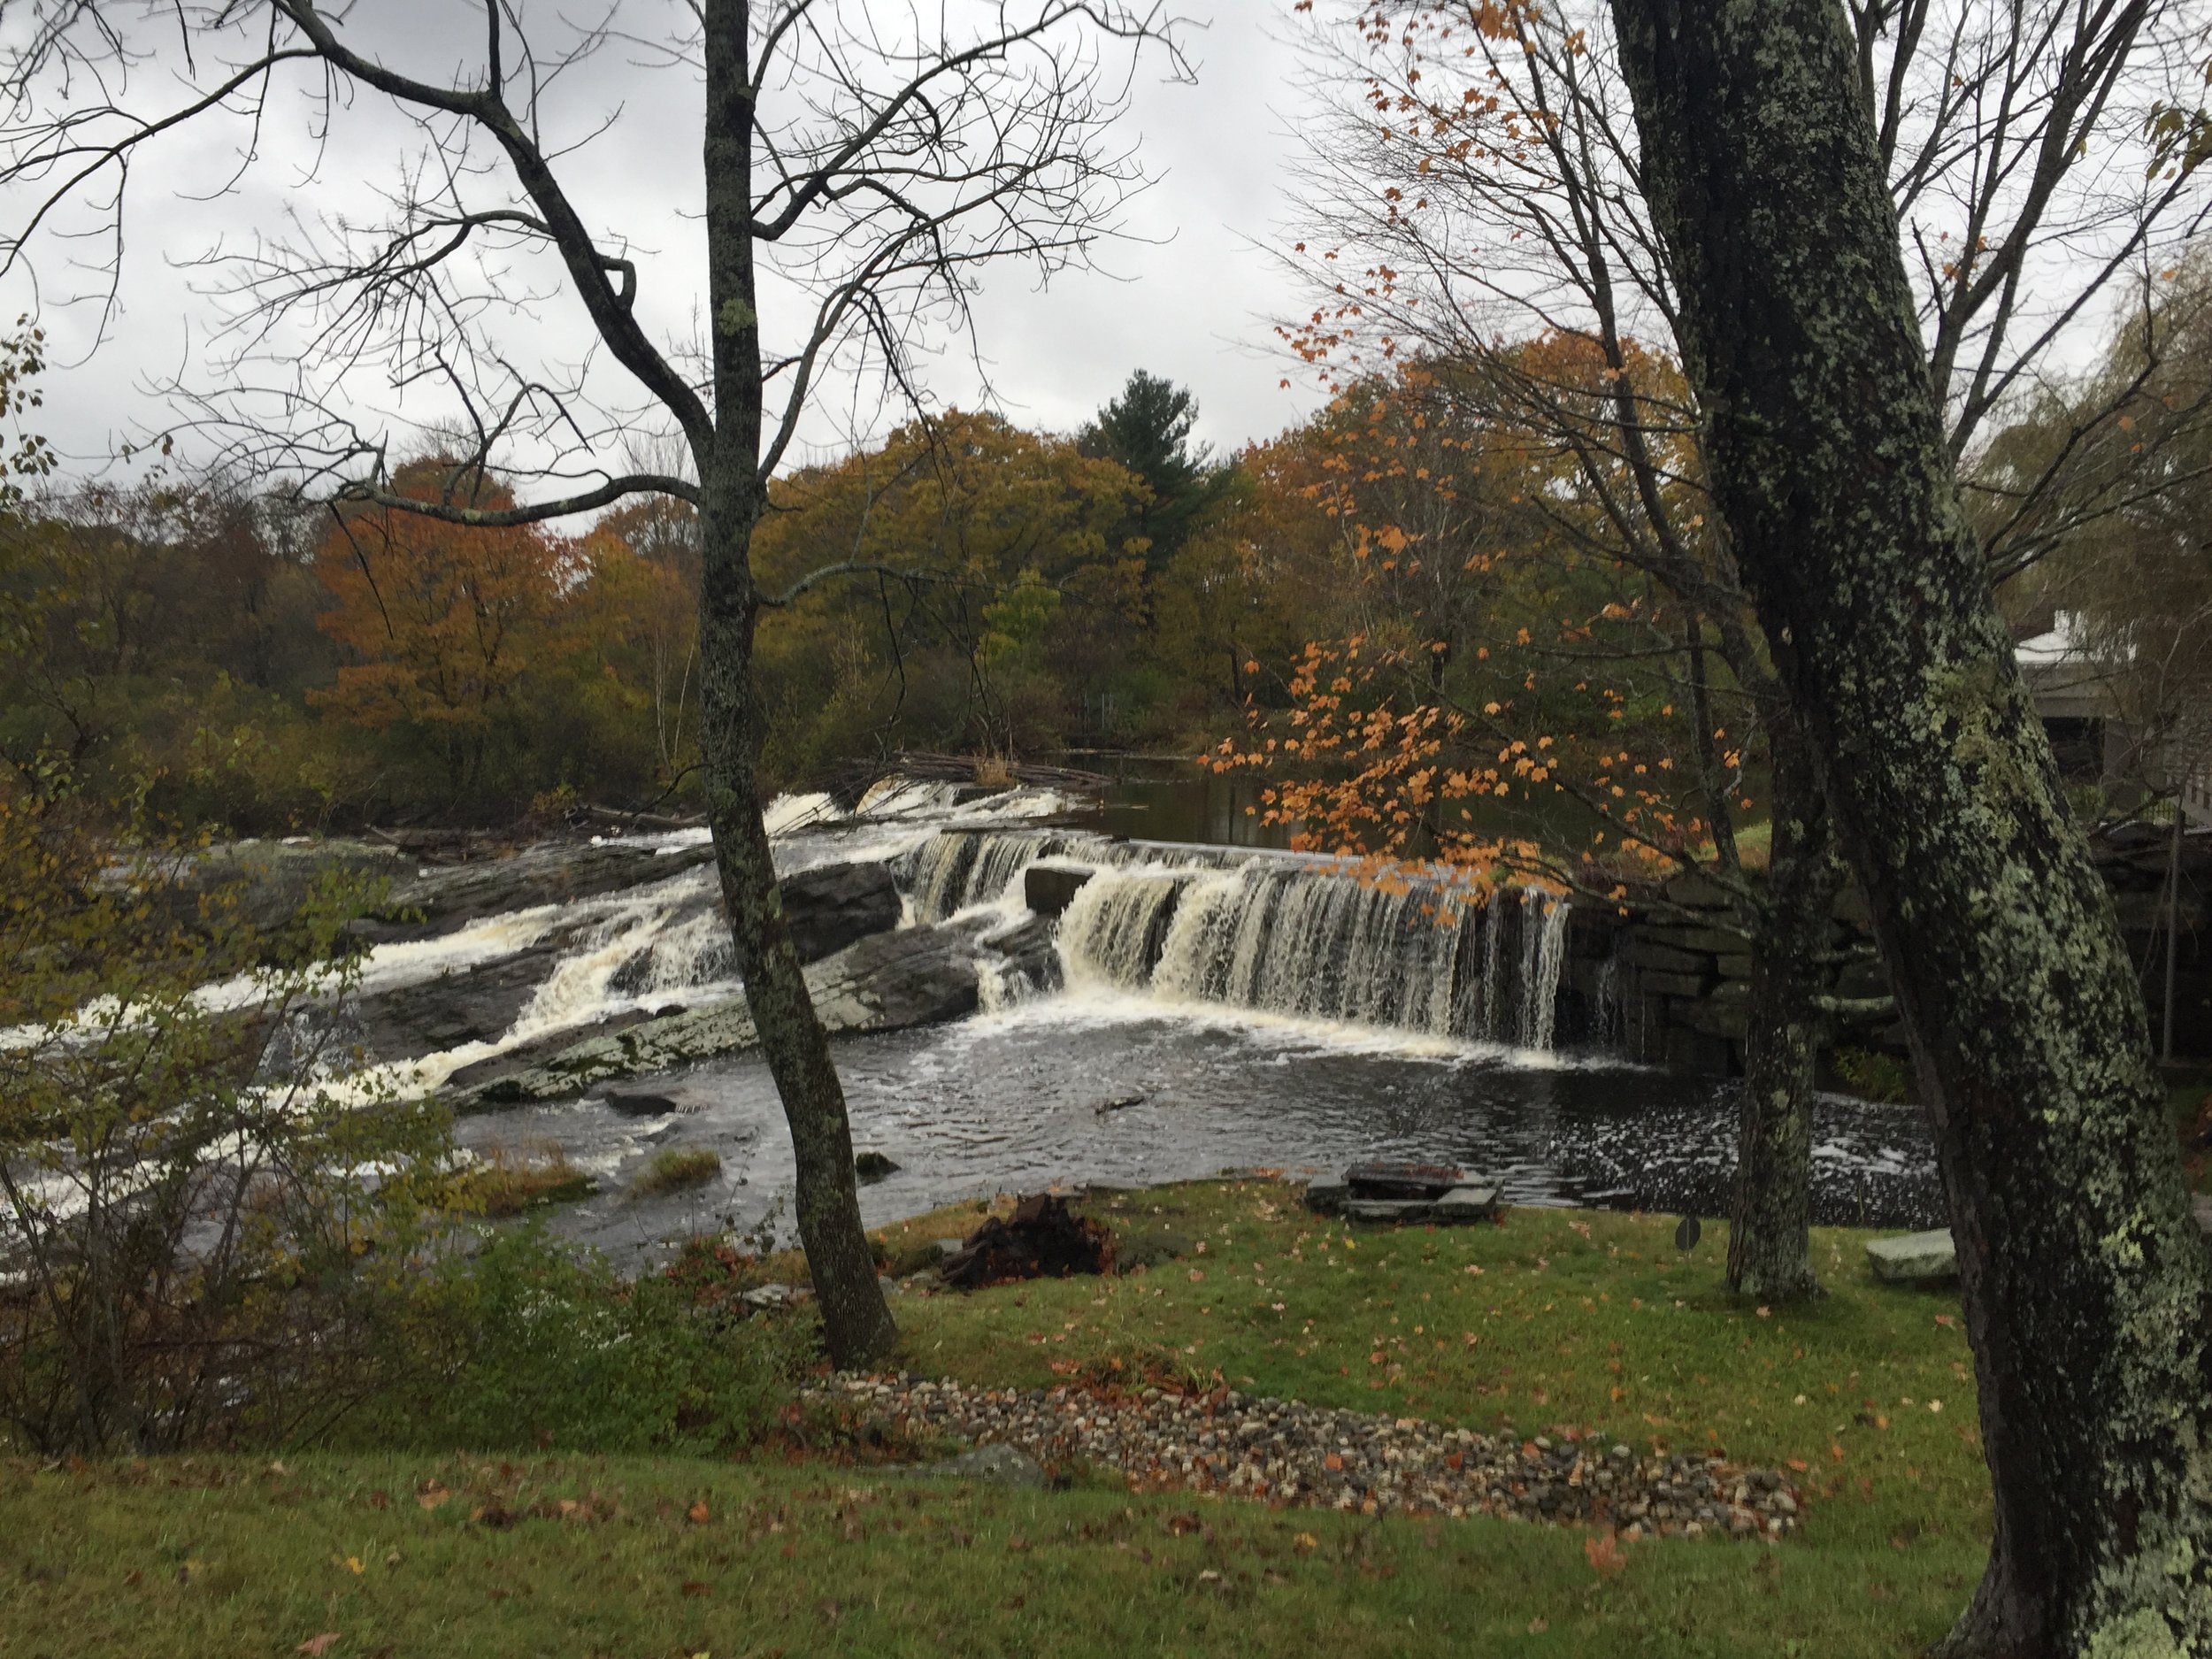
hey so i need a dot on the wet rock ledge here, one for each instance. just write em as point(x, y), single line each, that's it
point(1285, 1452)
point(890, 981)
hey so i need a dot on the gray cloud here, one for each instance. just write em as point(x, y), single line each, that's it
point(1190, 297)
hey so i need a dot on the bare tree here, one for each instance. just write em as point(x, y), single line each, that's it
point(1478, 183)
point(861, 164)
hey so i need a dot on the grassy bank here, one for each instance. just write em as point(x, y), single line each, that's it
point(1552, 1322)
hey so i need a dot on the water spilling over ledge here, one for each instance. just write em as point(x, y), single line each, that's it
point(1279, 934)
point(1163, 1012)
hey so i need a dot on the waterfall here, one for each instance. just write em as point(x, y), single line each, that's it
point(1300, 937)
point(1115, 930)
point(1543, 946)
point(954, 869)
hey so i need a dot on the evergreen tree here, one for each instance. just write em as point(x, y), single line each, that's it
point(1148, 429)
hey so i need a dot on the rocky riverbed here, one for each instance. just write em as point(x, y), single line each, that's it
point(1285, 1452)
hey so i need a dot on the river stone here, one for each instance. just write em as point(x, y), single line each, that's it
point(917, 976)
point(1458, 1207)
point(1001, 1465)
point(641, 1103)
point(1914, 1258)
point(1465, 1204)
point(1049, 885)
point(1393, 1180)
point(1326, 1198)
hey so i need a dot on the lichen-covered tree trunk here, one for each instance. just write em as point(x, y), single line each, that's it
point(2084, 1278)
point(1770, 1254)
point(855, 1322)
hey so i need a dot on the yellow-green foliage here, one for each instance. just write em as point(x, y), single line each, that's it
point(507, 1181)
point(676, 1169)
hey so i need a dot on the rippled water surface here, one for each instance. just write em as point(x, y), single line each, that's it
point(1019, 1100)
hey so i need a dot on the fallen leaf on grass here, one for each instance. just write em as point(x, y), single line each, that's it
point(431, 1493)
point(1537, 1626)
point(1305, 1541)
point(1604, 1553)
point(315, 1647)
point(695, 1586)
point(697, 1513)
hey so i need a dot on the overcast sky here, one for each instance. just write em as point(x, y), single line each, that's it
point(1192, 300)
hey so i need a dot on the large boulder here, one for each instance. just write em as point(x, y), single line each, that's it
point(831, 906)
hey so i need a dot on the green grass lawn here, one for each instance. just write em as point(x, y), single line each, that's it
point(1553, 1320)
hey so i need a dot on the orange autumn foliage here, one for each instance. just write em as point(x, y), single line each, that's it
point(444, 620)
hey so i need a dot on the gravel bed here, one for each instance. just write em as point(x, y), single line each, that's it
point(1283, 1452)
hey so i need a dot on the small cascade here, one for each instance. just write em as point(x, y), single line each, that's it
point(1543, 948)
point(1115, 930)
point(1308, 941)
point(665, 943)
point(954, 869)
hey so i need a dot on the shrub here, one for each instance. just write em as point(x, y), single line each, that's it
point(675, 1169)
point(532, 1342)
point(1875, 1076)
point(205, 1223)
point(505, 1182)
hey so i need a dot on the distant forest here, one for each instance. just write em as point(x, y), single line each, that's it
point(1404, 608)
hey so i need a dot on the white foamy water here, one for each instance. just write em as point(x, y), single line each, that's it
point(1312, 940)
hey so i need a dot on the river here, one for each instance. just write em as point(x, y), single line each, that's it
point(1161, 1062)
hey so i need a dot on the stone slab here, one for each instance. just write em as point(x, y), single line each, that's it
point(1712, 940)
point(1914, 1258)
point(1654, 957)
point(1399, 1179)
point(1457, 1208)
point(1049, 885)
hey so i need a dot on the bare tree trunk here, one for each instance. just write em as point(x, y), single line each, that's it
point(2084, 1278)
point(1770, 1254)
point(855, 1322)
